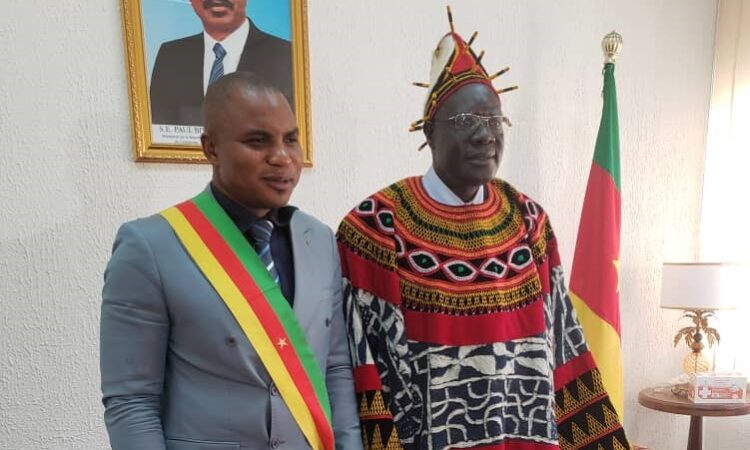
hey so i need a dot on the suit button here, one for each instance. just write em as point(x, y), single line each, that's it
point(274, 390)
point(275, 443)
point(231, 341)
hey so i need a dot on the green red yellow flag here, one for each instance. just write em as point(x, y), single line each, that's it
point(595, 276)
point(240, 278)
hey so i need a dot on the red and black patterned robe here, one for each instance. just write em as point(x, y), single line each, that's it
point(461, 330)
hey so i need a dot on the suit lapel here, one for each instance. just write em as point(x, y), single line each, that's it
point(249, 56)
point(192, 73)
point(305, 304)
point(302, 236)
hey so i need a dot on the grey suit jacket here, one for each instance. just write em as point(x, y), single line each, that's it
point(177, 371)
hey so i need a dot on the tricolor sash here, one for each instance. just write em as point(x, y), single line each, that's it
point(237, 274)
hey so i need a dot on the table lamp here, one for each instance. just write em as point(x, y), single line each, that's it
point(699, 289)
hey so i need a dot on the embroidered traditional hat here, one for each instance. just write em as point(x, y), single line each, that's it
point(454, 65)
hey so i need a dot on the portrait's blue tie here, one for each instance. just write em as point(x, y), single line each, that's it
point(217, 70)
point(261, 231)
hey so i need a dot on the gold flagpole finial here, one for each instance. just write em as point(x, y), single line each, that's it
point(611, 45)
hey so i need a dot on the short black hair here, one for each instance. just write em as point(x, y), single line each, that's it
point(222, 89)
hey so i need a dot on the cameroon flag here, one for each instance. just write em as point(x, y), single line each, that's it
point(595, 277)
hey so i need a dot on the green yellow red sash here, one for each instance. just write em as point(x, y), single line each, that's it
point(240, 278)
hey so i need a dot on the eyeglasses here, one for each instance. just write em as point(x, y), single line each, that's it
point(469, 122)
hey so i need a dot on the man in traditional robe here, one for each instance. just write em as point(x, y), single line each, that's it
point(461, 330)
point(222, 324)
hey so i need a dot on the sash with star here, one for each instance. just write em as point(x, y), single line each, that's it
point(242, 281)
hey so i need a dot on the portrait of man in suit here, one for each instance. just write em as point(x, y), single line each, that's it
point(230, 41)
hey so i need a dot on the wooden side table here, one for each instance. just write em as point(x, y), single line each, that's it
point(662, 399)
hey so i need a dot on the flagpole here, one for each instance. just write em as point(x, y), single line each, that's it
point(594, 287)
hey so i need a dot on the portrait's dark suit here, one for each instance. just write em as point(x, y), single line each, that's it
point(177, 79)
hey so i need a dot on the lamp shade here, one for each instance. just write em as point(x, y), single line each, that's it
point(700, 286)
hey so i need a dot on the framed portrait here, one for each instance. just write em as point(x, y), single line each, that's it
point(176, 48)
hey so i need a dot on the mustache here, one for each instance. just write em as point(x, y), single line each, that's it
point(211, 3)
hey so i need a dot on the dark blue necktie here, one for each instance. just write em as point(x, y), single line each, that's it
point(261, 231)
point(217, 70)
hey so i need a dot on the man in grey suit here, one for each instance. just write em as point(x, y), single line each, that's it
point(178, 370)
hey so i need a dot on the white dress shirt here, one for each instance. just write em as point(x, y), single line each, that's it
point(441, 193)
point(233, 44)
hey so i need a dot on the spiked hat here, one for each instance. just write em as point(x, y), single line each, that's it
point(454, 65)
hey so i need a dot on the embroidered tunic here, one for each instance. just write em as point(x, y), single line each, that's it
point(461, 330)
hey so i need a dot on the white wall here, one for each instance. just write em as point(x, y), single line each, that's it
point(67, 179)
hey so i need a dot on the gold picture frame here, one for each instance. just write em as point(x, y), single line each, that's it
point(138, 66)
